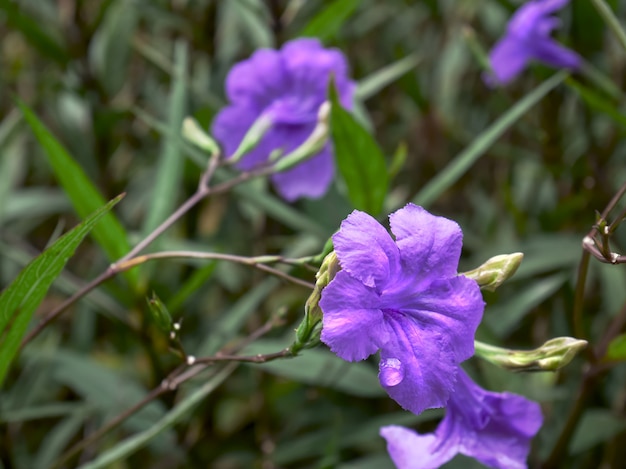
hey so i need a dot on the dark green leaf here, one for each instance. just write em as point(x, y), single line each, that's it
point(359, 158)
point(84, 195)
point(617, 348)
point(33, 33)
point(327, 23)
point(20, 299)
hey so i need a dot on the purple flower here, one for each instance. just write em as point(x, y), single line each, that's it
point(528, 38)
point(494, 428)
point(406, 299)
point(287, 86)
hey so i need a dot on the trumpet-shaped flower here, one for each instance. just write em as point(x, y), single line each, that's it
point(493, 428)
point(528, 38)
point(286, 87)
point(404, 298)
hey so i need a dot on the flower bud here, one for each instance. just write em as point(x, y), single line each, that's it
point(160, 314)
point(253, 137)
point(551, 356)
point(312, 145)
point(194, 134)
point(496, 270)
point(309, 330)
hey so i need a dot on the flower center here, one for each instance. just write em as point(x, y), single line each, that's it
point(293, 110)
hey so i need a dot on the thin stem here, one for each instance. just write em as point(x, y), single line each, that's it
point(173, 218)
point(113, 424)
point(555, 460)
point(611, 20)
point(52, 315)
point(257, 262)
point(177, 377)
point(203, 191)
point(579, 295)
point(591, 377)
point(259, 358)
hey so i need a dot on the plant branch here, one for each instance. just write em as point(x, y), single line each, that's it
point(204, 190)
point(172, 382)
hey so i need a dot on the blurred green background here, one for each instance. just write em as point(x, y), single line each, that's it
point(113, 79)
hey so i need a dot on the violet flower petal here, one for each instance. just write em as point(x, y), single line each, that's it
point(406, 299)
point(429, 245)
point(353, 329)
point(366, 251)
point(493, 428)
point(310, 178)
point(256, 82)
point(288, 86)
point(436, 325)
point(528, 38)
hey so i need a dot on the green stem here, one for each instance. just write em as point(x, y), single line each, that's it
point(611, 20)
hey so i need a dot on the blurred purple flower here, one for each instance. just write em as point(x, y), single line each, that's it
point(406, 299)
point(288, 86)
point(493, 428)
point(528, 38)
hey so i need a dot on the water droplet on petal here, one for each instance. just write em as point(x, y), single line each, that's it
point(391, 372)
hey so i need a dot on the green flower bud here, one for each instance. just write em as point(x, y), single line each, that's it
point(160, 314)
point(309, 330)
point(551, 356)
point(496, 270)
point(194, 134)
point(312, 145)
point(252, 138)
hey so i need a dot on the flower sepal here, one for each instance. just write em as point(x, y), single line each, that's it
point(193, 133)
point(252, 138)
point(496, 270)
point(312, 145)
point(309, 330)
point(551, 356)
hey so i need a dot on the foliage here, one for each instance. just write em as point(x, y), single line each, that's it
point(103, 87)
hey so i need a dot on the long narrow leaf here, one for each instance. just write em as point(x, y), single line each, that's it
point(359, 159)
point(21, 298)
point(464, 160)
point(170, 165)
point(84, 195)
point(138, 441)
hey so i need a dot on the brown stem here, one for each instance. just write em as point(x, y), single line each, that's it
point(555, 460)
point(177, 377)
point(259, 358)
point(203, 191)
point(111, 425)
point(597, 368)
point(52, 315)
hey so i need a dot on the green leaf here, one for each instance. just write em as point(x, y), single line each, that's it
point(84, 196)
point(372, 84)
point(596, 101)
point(139, 440)
point(505, 316)
point(170, 165)
point(617, 349)
point(110, 48)
point(33, 33)
point(596, 426)
point(464, 160)
point(21, 298)
point(359, 158)
point(327, 23)
point(605, 11)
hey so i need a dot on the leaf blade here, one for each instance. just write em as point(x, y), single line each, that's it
point(359, 158)
point(85, 197)
point(20, 299)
